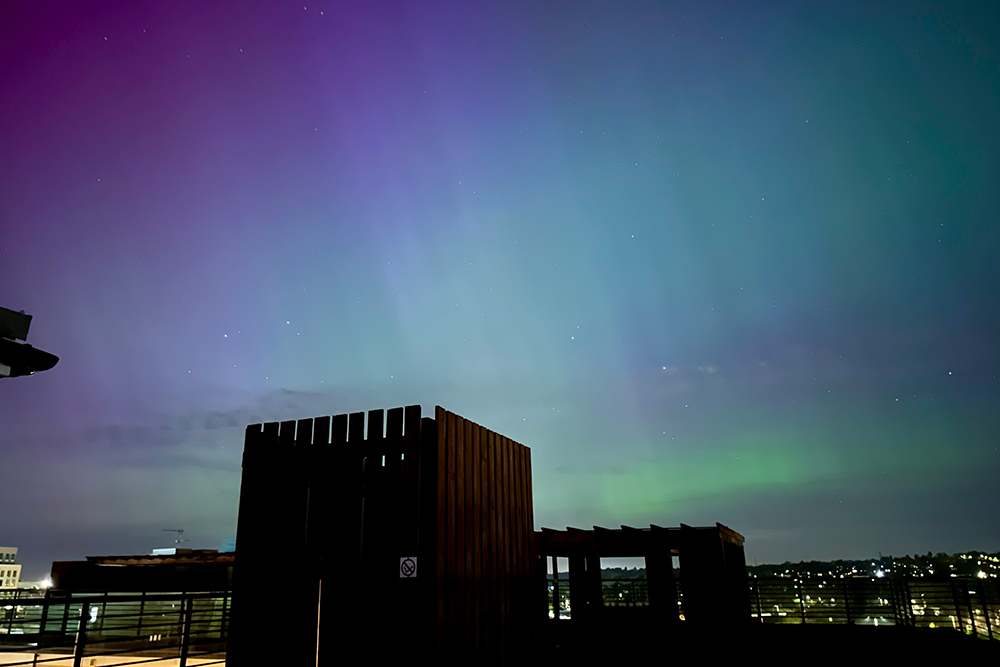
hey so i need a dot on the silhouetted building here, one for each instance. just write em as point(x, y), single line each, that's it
point(10, 571)
point(185, 570)
point(412, 539)
point(707, 586)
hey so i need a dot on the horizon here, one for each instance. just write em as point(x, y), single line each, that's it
point(723, 263)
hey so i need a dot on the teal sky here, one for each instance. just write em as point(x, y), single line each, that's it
point(730, 262)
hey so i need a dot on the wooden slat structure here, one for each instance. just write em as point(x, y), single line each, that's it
point(404, 536)
point(712, 566)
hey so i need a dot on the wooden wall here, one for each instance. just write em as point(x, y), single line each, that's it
point(485, 525)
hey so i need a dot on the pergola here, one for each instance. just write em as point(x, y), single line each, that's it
point(712, 570)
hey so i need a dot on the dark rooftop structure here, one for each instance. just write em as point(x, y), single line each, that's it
point(712, 569)
point(184, 570)
point(414, 539)
point(403, 526)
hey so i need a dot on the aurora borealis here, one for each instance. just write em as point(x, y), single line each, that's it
point(732, 262)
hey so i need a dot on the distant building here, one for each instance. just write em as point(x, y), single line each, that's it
point(10, 572)
point(166, 570)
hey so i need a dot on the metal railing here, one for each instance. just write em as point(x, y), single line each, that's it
point(63, 629)
point(559, 598)
point(965, 604)
point(624, 593)
point(614, 593)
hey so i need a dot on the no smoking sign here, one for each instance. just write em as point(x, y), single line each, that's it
point(408, 567)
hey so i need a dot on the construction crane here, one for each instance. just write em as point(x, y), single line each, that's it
point(180, 534)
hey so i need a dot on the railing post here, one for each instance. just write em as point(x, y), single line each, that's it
point(894, 596)
point(180, 618)
point(81, 634)
point(972, 611)
point(45, 614)
point(65, 616)
point(142, 610)
point(186, 604)
point(223, 630)
point(847, 602)
point(104, 610)
point(555, 588)
point(802, 601)
point(986, 609)
point(910, 620)
point(957, 604)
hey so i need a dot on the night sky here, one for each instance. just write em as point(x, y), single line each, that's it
point(710, 262)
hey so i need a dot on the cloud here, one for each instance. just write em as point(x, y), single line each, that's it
point(711, 369)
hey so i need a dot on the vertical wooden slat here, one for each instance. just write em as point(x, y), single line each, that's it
point(498, 568)
point(410, 504)
point(394, 438)
point(444, 516)
point(374, 533)
point(303, 432)
point(371, 505)
point(337, 543)
point(411, 463)
point(526, 535)
point(519, 546)
point(525, 538)
point(286, 434)
point(454, 518)
point(354, 486)
point(507, 537)
point(483, 560)
point(286, 526)
point(321, 431)
point(395, 517)
point(303, 472)
point(457, 565)
point(306, 594)
point(353, 526)
point(516, 546)
point(397, 510)
point(483, 567)
point(429, 554)
point(468, 531)
point(461, 509)
point(422, 604)
point(317, 518)
point(531, 555)
point(472, 438)
point(335, 535)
